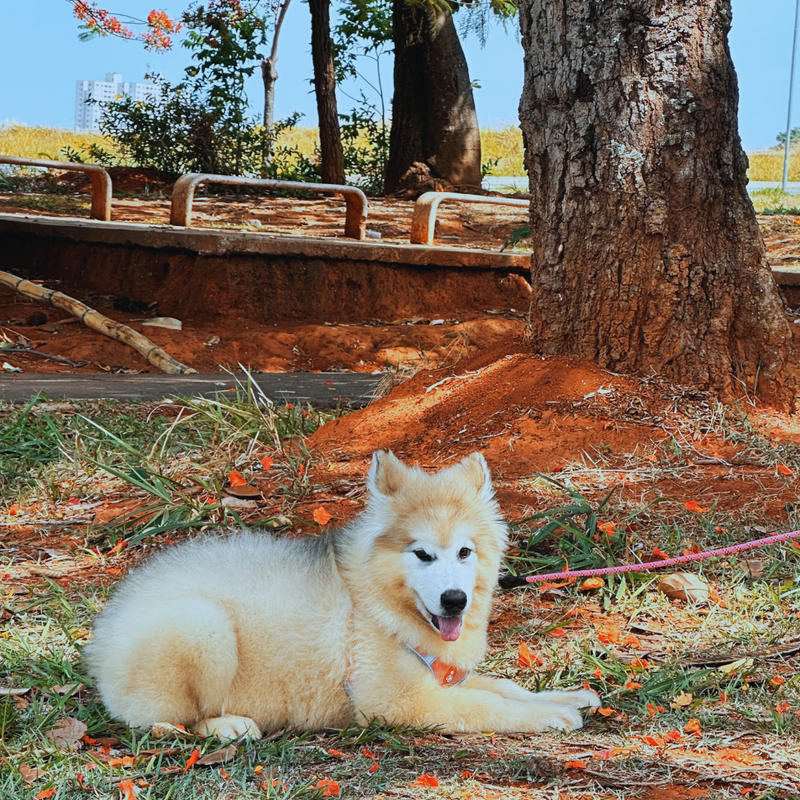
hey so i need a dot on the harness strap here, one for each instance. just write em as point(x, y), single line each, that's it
point(446, 674)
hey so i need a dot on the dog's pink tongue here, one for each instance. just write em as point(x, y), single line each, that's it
point(449, 628)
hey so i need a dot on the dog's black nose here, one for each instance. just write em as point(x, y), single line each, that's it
point(453, 601)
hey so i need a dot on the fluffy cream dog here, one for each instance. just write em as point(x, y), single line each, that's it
point(386, 618)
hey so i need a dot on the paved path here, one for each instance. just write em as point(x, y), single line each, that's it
point(321, 389)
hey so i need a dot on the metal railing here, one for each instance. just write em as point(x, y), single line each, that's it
point(101, 181)
point(423, 222)
point(183, 196)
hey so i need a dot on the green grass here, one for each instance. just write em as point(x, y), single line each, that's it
point(55, 203)
point(775, 201)
point(175, 457)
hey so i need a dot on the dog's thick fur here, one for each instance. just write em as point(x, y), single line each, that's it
point(247, 633)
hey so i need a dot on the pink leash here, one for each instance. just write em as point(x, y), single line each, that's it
point(512, 581)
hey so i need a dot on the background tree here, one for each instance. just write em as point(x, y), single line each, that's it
point(330, 140)
point(646, 251)
point(433, 110)
point(269, 64)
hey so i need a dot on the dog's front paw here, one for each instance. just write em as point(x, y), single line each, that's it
point(580, 698)
point(228, 727)
point(559, 717)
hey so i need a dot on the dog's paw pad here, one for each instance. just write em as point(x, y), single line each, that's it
point(229, 727)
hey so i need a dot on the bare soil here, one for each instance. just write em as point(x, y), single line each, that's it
point(209, 345)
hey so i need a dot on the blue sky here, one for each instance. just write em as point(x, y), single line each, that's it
point(41, 58)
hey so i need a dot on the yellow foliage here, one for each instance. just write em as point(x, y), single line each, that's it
point(501, 147)
point(35, 142)
point(768, 165)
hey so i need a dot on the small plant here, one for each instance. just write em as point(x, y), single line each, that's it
point(517, 235)
point(775, 201)
point(572, 536)
point(91, 153)
point(365, 139)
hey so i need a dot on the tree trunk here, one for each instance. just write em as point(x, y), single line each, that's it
point(269, 69)
point(269, 74)
point(330, 140)
point(646, 251)
point(433, 111)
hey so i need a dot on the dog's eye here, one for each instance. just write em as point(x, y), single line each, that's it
point(422, 555)
point(464, 552)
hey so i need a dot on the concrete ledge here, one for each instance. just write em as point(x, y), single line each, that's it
point(193, 273)
point(787, 276)
point(222, 242)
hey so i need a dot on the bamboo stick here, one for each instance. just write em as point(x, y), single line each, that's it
point(96, 321)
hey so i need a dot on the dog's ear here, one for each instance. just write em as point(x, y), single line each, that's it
point(386, 473)
point(476, 471)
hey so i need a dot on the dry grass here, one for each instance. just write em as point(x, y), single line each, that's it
point(502, 148)
point(768, 165)
point(25, 142)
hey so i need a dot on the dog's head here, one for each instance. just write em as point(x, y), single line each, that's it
point(436, 544)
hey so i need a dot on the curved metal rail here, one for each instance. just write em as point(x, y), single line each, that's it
point(183, 197)
point(423, 222)
point(101, 180)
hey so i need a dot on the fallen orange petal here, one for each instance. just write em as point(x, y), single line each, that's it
point(127, 790)
point(236, 479)
point(693, 726)
point(693, 505)
point(192, 760)
point(321, 516)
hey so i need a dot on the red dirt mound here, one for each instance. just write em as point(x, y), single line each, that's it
point(530, 415)
point(524, 412)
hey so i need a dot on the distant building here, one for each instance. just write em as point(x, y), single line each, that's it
point(88, 114)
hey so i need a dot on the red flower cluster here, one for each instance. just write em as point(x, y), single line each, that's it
point(97, 20)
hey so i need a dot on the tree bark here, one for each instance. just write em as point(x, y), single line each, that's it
point(269, 69)
point(646, 251)
point(433, 111)
point(330, 140)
